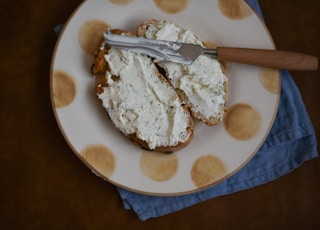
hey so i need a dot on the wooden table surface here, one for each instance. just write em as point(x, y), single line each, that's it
point(45, 186)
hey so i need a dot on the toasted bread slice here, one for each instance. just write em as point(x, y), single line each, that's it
point(140, 101)
point(203, 84)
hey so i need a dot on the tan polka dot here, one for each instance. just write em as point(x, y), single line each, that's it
point(206, 170)
point(242, 121)
point(270, 79)
point(171, 7)
point(90, 35)
point(158, 166)
point(63, 89)
point(234, 9)
point(100, 158)
point(121, 2)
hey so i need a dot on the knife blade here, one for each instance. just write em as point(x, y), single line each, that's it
point(184, 53)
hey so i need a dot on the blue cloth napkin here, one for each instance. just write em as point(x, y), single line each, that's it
point(290, 142)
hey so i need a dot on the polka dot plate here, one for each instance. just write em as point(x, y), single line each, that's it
point(216, 152)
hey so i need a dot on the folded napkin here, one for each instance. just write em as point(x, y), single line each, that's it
point(290, 142)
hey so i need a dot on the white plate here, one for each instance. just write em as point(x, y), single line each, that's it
point(215, 153)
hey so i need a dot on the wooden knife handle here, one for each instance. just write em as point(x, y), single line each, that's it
point(268, 58)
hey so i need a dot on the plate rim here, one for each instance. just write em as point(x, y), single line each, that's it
point(107, 179)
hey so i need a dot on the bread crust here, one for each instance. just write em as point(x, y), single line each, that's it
point(99, 68)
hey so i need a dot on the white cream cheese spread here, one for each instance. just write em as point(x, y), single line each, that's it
point(139, 103)
point(203, 82)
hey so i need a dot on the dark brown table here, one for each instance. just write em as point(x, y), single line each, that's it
point(45, 186)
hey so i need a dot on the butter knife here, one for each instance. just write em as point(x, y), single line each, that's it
point(186, 53)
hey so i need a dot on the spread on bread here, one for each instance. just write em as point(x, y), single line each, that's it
point(155, 111)
point(141, 103)
point(202, 85)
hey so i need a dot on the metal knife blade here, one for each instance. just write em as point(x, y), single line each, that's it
point(159, 49)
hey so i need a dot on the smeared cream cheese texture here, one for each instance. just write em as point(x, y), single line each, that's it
point(138, 102)
point(203, 82)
